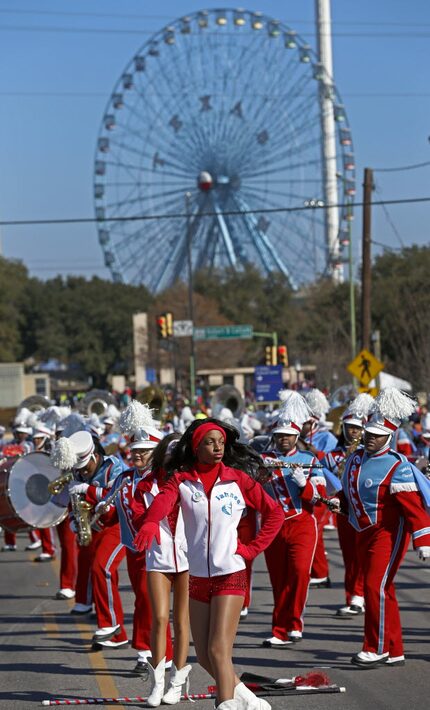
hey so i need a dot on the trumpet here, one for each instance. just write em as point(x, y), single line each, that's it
point(56, 486)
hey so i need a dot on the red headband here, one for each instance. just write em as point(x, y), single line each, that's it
point(202, 430)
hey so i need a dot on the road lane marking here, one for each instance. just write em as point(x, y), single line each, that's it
point(97, 661)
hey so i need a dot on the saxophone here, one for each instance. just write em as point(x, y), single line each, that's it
point(56, 486)
point(81, 512)
point(355, 443)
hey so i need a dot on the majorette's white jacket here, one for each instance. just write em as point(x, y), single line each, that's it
point(211, 523)
point(171, 554)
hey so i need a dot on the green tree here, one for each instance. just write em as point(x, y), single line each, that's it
point(14, 282)
point(401, 311)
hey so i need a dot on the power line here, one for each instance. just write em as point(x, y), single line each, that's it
point(100, 94)
point(226, 213)
point(21, 11)
point(403, 167)
point(97, 30)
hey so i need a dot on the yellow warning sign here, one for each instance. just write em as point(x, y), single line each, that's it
point(365, 367)
point(373, 391)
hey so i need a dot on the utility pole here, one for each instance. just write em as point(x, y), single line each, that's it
point(190, 299)
point(366, 259)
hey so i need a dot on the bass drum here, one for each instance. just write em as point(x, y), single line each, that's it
point(25, 501)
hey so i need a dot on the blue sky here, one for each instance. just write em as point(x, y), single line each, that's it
point(56, 80)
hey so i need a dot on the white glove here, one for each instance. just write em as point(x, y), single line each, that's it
point(76, 487)
point(298, 476)
point(102, 508)
point(334, 505)
point(423, 553)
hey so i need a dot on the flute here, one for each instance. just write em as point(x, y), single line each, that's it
point(279, 463)
point(105, 503)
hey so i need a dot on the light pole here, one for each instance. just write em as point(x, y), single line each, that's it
point(352, 323)
point(353, 330)
point(190, 298)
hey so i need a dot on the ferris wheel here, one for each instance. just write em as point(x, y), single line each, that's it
point(210, 150)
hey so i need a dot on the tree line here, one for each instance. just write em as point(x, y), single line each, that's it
point(88, 323)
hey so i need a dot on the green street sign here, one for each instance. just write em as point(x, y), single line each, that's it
point(224, 332)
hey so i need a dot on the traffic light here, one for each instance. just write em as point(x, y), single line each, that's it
point(162, 326)
point(271, 355)
point(169, 323)
point(283, 355)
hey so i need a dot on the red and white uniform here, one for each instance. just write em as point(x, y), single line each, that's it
point(121, 512)
point(98, 563)
point(289, 557)
point(211, 521)
point(385, 507)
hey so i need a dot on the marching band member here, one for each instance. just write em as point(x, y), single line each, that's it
point(384, 496)
point(353, 421)
point(98, 562)
point(213, 493)
point(319, 441)
point(136, 422)
point(289, 557)
point(167, 570)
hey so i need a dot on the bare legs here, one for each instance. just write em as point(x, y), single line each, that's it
point(214, 628)
point(159, 587)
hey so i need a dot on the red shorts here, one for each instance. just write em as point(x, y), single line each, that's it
point(202, 589)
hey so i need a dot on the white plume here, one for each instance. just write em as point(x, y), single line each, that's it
point(317, 402)
point(136, 416)
point(73, 423)
point(93, 422)
point(53, 415)
point(112, 412)
point(294, 407)
point(393, 404)
point(360, 406)
point(284, 395)
point(33, 420)
point(63, 455)
point(22, 416)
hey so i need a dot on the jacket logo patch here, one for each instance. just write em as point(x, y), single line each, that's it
point(227, 508)
point(197, 496)
point(407, 474)
point(368, 483)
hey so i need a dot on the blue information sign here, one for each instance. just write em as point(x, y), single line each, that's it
point(268, 382)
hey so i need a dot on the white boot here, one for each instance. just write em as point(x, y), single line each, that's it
point(228, 705)
point(177, 679)
point(246, 700)
point(156, 676)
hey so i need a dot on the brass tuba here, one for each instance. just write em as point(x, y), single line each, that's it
point(227, 396)
point(96, 402)
point(34, 403)
point(154, 397)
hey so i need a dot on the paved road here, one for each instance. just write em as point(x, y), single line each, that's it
point(44, 652)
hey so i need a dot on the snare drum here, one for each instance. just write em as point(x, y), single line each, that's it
point(25, 501)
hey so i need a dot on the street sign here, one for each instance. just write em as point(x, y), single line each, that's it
point(365, 367)
point(224, 332)
point(182, 328)
point(268, 382)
